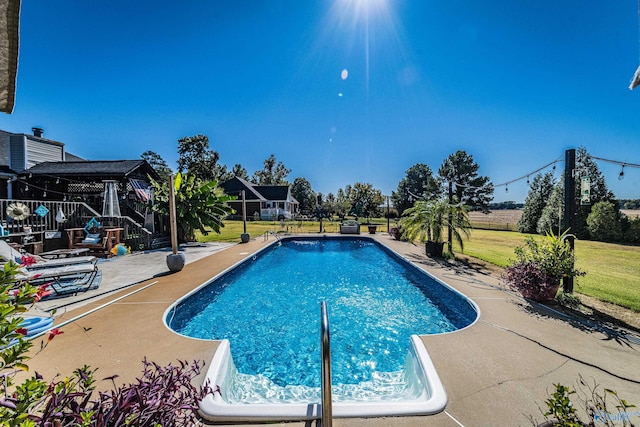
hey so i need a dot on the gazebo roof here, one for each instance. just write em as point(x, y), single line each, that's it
point(93, 168)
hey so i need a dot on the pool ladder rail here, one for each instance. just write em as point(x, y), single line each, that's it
point(325, 341)
point(273, 233)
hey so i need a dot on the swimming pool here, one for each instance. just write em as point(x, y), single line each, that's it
point(267, 308)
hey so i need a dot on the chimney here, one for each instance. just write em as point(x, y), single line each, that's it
point(38, 132)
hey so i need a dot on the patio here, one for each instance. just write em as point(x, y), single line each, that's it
point(497, 372)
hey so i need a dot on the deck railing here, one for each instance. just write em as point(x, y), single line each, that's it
point(42, 215)
point(53, 216)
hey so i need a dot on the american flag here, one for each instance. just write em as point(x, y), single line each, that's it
point(142, 189)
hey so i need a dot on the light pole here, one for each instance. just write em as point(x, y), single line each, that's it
point(569, 206)
point(175, 260)
point(319, 211)
point(244, 237)
point(387, 214)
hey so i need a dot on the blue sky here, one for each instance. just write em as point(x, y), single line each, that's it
point(514, 83)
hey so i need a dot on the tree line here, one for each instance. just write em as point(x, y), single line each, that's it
point(457, 181)
point(196, 158)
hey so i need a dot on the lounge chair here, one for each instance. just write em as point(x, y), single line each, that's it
point(64, 276)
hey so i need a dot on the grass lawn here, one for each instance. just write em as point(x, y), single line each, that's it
point(613, 271)
point(232, 229)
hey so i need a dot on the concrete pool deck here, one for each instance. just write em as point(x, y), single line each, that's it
point(497, 372)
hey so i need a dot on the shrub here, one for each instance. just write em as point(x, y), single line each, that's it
point(528, 279)
point(562, 412)
point(396, 232)
point(568, 300)
point(603, 223)
point(553, 255)
point(632, 231)
point(163, 396)
point(540, 265)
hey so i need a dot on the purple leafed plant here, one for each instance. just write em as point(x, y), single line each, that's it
point(162, 396)
point(528, 279)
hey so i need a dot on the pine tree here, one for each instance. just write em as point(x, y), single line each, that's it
point(460, 171)
point(539, 193)
point(552, 213)
point(418, 184)
point(586, 166)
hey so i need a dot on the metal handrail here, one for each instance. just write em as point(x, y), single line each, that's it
point(266, 235)
point(326, 410)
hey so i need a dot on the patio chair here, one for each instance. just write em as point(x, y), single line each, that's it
point(64, 276)
point(65, 280)
point(7, 252)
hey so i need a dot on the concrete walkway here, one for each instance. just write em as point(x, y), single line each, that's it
point(497, 372)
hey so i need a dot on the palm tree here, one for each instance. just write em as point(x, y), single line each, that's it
point(427, 221)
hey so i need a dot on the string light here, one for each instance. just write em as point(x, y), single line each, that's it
point(617, 162)
point(527, 176)
point(506, 184)
point(44, 189)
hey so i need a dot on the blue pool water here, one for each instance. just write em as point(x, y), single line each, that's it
point(268, 308)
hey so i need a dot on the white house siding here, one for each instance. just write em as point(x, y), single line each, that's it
point(25, 152)
point(38, 152)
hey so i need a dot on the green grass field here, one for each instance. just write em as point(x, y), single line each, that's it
point(613, 271)
point(232, 229)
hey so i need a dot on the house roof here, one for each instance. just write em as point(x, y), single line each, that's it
point(95, 168)
point(235, 185)
point(273, 192)
point(6, 170)
point(69, 157)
